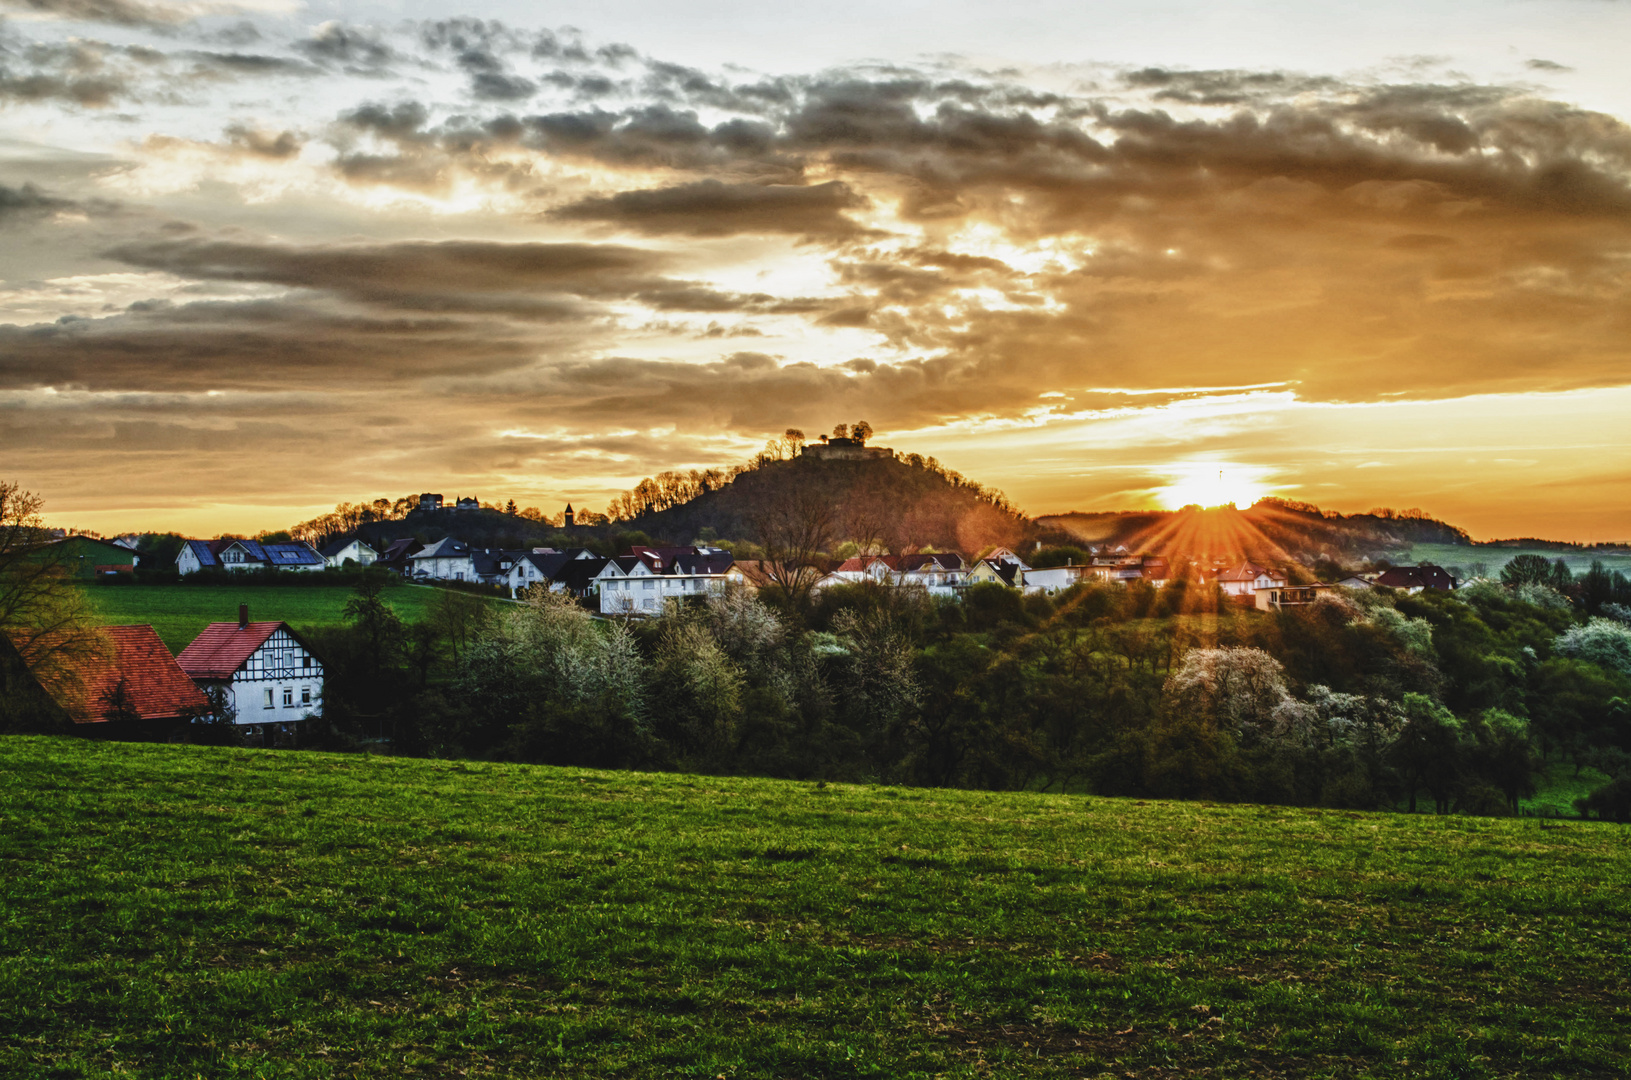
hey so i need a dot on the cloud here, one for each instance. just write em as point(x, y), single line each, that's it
point(28, 201)
point(714, 208)
point(118, 12)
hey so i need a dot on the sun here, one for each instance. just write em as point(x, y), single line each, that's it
point(1213, 483)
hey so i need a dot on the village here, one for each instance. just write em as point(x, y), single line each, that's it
point(264, 677)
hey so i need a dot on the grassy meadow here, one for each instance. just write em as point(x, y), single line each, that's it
point(180, 612)
point(1494, 558)
point(197, 912)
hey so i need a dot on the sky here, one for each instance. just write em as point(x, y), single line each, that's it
point(261, 256)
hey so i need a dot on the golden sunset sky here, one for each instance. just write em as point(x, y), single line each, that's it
point(259, 257)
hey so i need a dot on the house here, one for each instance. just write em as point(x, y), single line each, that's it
point(229, 553)
point(1413, 579)
point(998, 571)
point(1358, 581)
point(430, 501)
point(397, 554)
point(1276, 599)
point(541, 566)
point(941, 572)
point(755, 573)
point(1056, 579)
point(268, 675)
point(492, 565)
point(1243, 580)
point(445, 560)
point(137, 682)
point(580, 577)
point(467, 504)
point(88, 559)
point(641, 581)
point(336, 553)
point(844, 449)
point(859, 568)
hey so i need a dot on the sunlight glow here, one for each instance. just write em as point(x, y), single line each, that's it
point(1213, 483)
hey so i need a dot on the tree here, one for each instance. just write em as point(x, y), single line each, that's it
point(840, 431)
point(795, 527)
point(509, 508)
point(1527, 569)
point(1603, 642)
point(861, 432)
point(46, 616)
point(1427, 752)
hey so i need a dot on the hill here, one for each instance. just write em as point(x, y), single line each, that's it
point(1272, 530)
point(904, 502)
point(181, 911)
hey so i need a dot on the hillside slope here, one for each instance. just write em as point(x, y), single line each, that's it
point(898, 503)
point(1272, 530)
point(182, 911)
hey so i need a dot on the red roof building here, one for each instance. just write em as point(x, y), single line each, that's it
point(268, 673)
point(139, 679)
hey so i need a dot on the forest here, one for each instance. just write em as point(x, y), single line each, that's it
point(1446, 702)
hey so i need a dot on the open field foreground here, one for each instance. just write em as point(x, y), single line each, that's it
point(182, 912)
point(179, 613)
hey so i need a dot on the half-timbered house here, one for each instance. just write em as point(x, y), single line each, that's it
point(268, 674)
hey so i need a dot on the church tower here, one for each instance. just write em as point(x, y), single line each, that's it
point(567, 517)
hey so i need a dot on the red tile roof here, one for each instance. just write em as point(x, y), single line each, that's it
point(223, 648)
point(154, 685)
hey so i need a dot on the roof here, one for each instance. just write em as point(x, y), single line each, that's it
point(1425, 576)
point(1003, 569)
point(755, 572)
point(1245, 572)
point(943, 560)
point(445, 548)
point(398, 551)
point(577, 574)
point(294, 553)
point(223, 648)
point(334, 547)
point(154, 685)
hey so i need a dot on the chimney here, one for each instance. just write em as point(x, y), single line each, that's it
point(243, 616)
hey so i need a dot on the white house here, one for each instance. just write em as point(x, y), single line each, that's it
point(1245, 579)
point(336, 552)
point(1055, 579)
point(641, 582)
point(230, 554)
point(445, 560)
point(542, 565)
point(268, 673)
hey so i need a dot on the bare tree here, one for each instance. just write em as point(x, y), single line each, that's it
point(795, 527)
point(42, 611)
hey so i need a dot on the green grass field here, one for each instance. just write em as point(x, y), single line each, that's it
point(1496, 557)
point(180, 612)
point(193, 912)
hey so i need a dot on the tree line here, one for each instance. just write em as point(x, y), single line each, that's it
point(1366, 700)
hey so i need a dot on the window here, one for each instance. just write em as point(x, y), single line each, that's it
point(288, 696)
point(305, 695)
point(305, 661)
point(268, 704)
point(647, 584)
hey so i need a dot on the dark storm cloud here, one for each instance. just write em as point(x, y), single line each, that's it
point(713, 208)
